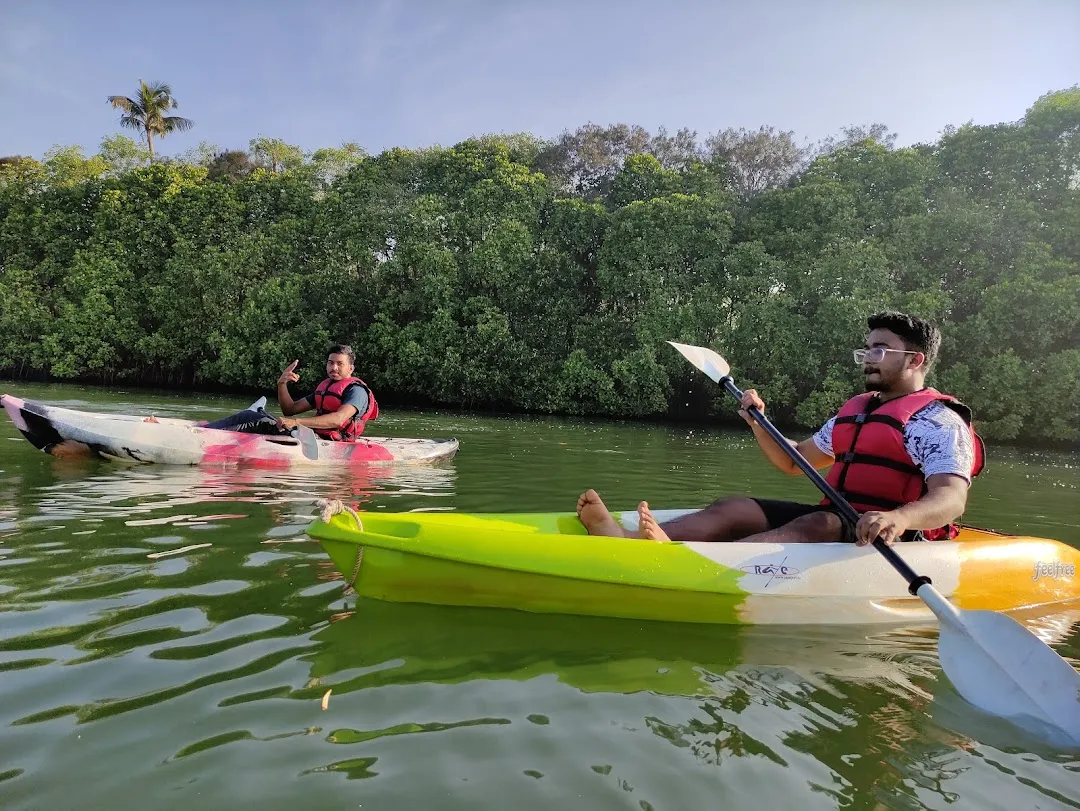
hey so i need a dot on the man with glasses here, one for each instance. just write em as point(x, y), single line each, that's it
point(902, 453)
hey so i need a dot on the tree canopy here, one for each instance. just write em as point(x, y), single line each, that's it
point(510, 272)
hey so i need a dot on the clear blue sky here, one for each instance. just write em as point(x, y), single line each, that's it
point(412, 73)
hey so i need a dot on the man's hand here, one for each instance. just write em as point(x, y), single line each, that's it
point(889, 526)
point(749, 400)
point(289, 375)
point(287, 423)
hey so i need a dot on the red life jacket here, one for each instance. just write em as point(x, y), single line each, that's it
point(873, 470)
point(329, 397)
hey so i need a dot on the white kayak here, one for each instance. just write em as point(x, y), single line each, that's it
point(185, 442)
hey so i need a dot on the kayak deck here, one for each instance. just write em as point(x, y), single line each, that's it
point(545, 562)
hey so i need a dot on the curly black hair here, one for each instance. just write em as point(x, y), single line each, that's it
point(918, 335)
point(345, 349)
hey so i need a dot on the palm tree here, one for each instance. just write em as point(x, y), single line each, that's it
point(146, 112)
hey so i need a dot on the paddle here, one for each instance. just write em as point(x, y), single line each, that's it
point(309, 442)
point(993, 661)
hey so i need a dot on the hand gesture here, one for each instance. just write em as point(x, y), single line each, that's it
point(289, 375)
point(749, 400)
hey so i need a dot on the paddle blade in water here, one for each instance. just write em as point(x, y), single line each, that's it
point(704, 359)
point(1003, 668)
point(309, 443)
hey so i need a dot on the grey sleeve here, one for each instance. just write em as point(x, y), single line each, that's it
point(357, 397)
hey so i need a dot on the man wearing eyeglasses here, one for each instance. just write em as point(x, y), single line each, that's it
point(902, 453)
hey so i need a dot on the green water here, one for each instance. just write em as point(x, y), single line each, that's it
point(195, 681)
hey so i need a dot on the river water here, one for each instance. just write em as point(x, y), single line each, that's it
point(196, 680)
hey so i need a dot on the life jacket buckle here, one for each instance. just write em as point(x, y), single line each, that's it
point(860, 418)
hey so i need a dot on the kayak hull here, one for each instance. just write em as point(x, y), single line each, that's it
point(547, 563)
point(184, 442)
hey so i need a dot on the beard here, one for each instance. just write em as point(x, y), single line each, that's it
point(873, 385)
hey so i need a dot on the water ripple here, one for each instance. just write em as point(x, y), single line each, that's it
point(197, 679)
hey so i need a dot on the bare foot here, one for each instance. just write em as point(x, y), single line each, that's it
point(596, 517)
point(151, 418)
point(648, 526)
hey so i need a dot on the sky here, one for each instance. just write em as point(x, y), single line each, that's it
point(413, 73)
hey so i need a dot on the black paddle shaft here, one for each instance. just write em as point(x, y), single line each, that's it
point(839, 502)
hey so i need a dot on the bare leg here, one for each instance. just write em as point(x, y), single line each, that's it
point(728, 519)
point(597, 518)
point(813, 527)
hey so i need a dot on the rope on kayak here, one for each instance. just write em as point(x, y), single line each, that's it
point(330, 508)
point(356, 569)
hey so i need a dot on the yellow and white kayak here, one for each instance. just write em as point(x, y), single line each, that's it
point(546, 562)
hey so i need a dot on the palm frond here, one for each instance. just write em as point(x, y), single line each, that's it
point(123, 103)
point(131, 121)
point(158, 96)
point(174, 123)
point(158, 88)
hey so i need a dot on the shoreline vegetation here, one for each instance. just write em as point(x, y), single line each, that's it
point(512, 274)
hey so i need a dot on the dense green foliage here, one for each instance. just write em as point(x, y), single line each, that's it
point(512, 273)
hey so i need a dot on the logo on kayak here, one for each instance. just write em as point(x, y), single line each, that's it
point(1055, 570)
point(773, 571)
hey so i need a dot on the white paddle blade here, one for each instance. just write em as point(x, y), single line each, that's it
point(309, 442)
point(1003, 668)
point(704, 359)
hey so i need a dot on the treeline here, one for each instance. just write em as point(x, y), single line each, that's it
point(508, 272)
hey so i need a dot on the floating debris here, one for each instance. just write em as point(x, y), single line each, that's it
point(326, 698)
point(147, 522)
point(180, 551)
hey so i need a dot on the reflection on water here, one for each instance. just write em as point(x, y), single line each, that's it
point(115, 492)
point(197, 679)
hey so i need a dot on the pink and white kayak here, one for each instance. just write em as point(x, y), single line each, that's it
point(184, 442)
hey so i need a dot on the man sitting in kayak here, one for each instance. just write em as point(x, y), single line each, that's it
point(903, 454)
point(343, 403)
